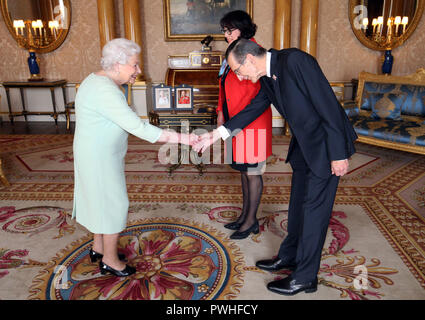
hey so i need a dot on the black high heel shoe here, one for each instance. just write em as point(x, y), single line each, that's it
point(255, 228)
point(233, 225)
point(95, 256)
point(128, 271)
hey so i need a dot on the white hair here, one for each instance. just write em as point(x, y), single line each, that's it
point(118, 51)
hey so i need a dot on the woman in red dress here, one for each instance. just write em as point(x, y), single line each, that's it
point(252, 146)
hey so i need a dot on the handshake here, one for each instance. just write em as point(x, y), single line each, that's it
point(201, 142)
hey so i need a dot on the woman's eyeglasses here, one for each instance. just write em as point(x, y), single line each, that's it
point(227, 31)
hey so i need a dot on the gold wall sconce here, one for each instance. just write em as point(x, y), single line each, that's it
point(384, 25)
point(38, 26)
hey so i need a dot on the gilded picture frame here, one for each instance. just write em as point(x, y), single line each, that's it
point(190, 20)
point(162, 98)
point(183, 97)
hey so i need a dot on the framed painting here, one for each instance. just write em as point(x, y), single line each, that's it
point(195, 19)
point(162, 98)
point(183, 96)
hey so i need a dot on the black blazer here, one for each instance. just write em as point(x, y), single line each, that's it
point(301, 93)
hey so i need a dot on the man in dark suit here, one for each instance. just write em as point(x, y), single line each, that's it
point(322, 141)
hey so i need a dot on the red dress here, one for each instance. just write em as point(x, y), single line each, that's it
point(254, 143)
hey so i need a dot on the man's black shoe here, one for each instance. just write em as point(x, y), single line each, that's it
point(289, 286)
point(275, 264)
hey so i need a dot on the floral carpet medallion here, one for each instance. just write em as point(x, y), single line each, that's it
point(34, 220)
point(175, 259)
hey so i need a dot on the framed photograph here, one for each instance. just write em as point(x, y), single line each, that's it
point(183, 96)
point(162, 98)
point(195, 19)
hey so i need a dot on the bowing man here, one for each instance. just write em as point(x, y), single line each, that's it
point(322, 141)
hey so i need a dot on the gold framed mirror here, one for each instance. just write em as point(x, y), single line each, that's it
point(384, 24)
point(38, 25)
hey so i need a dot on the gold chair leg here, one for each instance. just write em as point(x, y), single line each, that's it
point(286, 130)
point(3, 177)
point(67, 118)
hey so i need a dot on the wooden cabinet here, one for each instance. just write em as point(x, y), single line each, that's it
point(198, 69)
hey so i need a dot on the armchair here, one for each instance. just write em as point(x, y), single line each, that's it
point(389, 111)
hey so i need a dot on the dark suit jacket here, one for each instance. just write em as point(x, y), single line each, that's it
point(303, 96)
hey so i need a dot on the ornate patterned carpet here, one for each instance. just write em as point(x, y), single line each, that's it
point(375, 247)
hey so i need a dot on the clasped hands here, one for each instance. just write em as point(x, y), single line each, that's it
point(198, 142)
point(201, 142)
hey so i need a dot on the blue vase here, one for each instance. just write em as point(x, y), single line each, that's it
point(388, 62)
point(33, 65)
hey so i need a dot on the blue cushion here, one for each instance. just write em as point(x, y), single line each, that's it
point(384, 100)
point(370, 88)
point(351, 109)
point(415, 100)
point(409, 132)
point(388, 106)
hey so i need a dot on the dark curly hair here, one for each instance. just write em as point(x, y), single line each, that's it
point(240, 20)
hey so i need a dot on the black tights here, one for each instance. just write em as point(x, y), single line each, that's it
point(252, 189)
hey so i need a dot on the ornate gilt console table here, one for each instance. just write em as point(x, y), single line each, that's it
point(183, 122)
point(175, 119)
point(46, 84)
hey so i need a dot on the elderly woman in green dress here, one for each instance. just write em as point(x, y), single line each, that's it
point(103, 122)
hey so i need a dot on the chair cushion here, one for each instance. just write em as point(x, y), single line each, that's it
point(388, 106)
point(369, 97)
point(385, 100)
point(70, 105)
point(350, 108)
point(409, 131)
point(415, 100)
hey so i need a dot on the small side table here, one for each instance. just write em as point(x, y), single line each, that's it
point(183, 121)
point(22, 85)
point(167, 120)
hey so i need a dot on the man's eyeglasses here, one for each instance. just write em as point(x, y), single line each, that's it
point(236, 71)
point(227, 31)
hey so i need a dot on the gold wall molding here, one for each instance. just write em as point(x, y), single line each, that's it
point(309, 20)
point(106, 17)
point(133, 29)
point(282, 24)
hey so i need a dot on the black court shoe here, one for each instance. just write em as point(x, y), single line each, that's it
point(95, 256)
point(128, 271)
point(233, 225)
point(255, 228)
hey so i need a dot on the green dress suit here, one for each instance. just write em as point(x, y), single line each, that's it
point(103, 121)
